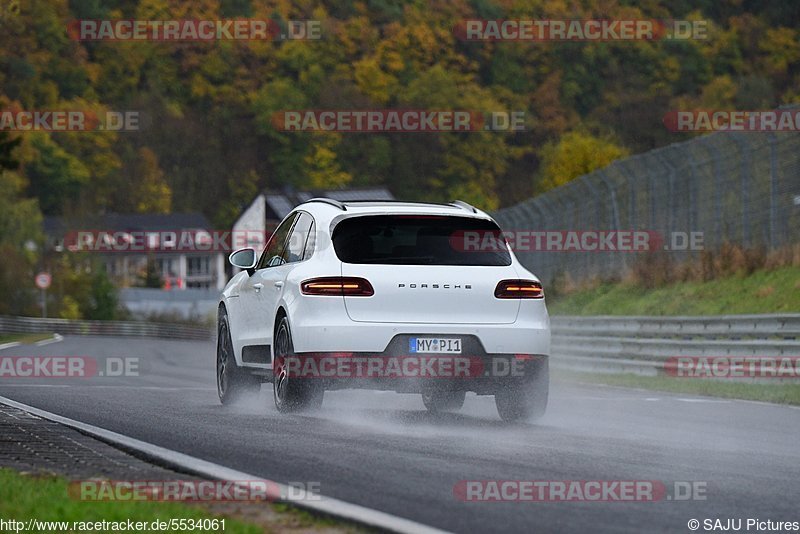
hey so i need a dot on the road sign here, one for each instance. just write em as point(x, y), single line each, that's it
point(43, 280)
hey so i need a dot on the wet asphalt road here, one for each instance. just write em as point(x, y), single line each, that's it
point(384, 451)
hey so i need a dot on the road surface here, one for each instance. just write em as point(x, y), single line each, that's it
point(384, 451)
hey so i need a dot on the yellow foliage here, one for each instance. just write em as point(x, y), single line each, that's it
point(574, 155)
point(719, 93)
point(324, 171)
point(783, 48)
point(153, 194)
point(69, 309)
point(373, 81)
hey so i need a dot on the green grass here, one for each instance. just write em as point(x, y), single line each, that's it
point(47, 499)
point(305, 519)
point(779, 393)
point(24, 338)
point(776, 291)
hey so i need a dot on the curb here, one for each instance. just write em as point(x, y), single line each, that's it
point(55, 339)
point(325, 505)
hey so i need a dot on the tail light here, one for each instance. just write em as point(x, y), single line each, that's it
point(346, 286)
point(519, 289)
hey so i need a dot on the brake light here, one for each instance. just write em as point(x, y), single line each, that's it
point(519, 289)
point(346, 286)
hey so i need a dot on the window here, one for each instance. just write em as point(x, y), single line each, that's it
point(295, 247)
point(420, 240)
point(311, 241)
point(273, 251)
point(198, 266)
point(165, 267)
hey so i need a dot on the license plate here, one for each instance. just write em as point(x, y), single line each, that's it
point(434, 345)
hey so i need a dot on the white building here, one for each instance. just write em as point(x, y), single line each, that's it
point(181, 246)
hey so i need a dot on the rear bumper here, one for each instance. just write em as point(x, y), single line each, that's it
point(517, 338)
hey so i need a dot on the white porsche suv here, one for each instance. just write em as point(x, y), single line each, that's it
point(403, 296)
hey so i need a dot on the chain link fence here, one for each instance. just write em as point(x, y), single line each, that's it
point(740, 188)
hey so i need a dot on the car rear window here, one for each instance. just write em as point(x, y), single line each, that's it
point(419, 240)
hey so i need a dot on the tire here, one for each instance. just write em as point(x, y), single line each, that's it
point(526, 399)
point(233, 382)
point(443, 401)
point(291, 394)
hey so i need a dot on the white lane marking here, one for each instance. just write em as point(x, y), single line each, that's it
point(711, 401)
point(765, 403)
point(55, 339)
point(590, 398)
point(104, 386)
point(326, 505)
point(9, 385)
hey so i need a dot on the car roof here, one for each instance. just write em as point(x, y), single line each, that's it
point(334, 208)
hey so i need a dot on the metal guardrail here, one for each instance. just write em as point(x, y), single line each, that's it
point(600, 344)
point(643, 344)
point(9, 324)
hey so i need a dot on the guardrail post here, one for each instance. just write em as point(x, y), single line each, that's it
point(715, 158)
point(744, 175)
point(773, 178)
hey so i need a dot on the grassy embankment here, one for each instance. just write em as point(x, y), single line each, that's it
point(47, 498)
point(23, 338)
point(773, 291)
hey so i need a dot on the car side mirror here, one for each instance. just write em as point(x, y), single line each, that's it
point(245, 259)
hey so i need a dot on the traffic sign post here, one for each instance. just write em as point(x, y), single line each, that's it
point(43, 280)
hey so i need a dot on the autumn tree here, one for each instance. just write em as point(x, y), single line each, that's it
point(575, 154)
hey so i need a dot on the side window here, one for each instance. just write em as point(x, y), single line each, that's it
point(296, 245)
point(311, 241)
point(274, 249)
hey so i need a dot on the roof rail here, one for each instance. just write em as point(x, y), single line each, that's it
point(464, 205)
point(332, 202)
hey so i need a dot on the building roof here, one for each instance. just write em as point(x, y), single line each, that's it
point(280, 203)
